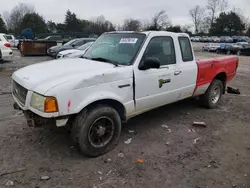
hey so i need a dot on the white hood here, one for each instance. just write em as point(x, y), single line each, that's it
point(43, 76)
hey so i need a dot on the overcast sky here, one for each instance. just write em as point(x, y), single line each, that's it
point(117, 10)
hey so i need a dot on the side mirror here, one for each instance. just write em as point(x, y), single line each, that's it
point(150, 63)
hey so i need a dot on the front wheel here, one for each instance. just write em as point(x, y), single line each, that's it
point(98, 130)
point(212, 97)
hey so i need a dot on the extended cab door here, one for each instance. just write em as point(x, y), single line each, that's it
point(188, 68)
point(156, 87)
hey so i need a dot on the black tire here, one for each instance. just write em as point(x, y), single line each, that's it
point(210, 99)
point(85, 123)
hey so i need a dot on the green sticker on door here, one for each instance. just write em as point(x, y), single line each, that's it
point(161, 82)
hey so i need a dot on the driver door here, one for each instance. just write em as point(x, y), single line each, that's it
point(156, 87)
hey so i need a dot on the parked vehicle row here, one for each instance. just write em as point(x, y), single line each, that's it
point(225, 39)
point(239, 48)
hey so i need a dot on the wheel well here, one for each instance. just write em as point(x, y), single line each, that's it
point(222, 77)
point(112, 103)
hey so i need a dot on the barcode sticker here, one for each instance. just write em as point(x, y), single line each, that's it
point(128, 40)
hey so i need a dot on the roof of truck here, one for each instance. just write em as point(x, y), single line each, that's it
point(153, 32)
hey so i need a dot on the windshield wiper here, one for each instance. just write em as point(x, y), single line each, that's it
point(105, 60)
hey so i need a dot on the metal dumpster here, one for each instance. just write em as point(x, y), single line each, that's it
point(35, 47)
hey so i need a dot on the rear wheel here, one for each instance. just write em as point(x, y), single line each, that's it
point(212, 97)
point(97, 131)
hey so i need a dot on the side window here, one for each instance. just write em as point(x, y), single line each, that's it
point(186, 50)
point(8, 37)
point(161, 48)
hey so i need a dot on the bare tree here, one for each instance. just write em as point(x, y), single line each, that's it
point(100, 25)
point(214, 6)
point(205, 25)
point(131, 25)
point(223, 5)
point(6, 17)
point(160, 21)
point(197, 16)
point(16, 15)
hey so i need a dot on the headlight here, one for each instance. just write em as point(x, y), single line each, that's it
point(44, 104)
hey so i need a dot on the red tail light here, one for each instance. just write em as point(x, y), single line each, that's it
point(7, 45)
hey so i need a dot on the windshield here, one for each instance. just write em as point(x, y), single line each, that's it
point(85, 46)
point(118, 47)
point(70, 42)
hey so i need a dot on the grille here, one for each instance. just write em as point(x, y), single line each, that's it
point(19, 92)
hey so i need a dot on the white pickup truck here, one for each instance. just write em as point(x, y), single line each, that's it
point(122, 74)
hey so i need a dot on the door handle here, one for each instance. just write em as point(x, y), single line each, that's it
point(177, 73)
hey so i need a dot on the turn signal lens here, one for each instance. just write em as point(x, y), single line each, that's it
point(50, 105)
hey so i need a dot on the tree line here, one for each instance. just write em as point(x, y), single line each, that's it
point(213, 19)
point(216, 19)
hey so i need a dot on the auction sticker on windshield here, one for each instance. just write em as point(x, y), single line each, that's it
point(128, 40)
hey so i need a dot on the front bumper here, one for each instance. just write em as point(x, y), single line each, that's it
point(51, 53)
point(34, 120)
point(34, 117)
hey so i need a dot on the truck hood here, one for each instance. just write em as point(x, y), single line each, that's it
point(41, 77)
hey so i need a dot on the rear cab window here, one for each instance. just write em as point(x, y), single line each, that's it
point(186, 49)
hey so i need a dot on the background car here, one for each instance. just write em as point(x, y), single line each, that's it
point(52, 51)
point(12, 40)
point(73, 44)
point(5, 48)
point(245, 50)
point(210, 47)
point(215, 39)
point(245, 39)
point(240, 39)
point(204, 39)
point(74, 52)
point(197, 39)
point(226, 39)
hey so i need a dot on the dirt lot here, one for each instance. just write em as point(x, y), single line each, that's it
point(220, 157)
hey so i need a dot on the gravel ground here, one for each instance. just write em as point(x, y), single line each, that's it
point(171, 158)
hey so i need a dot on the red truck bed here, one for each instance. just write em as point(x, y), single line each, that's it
point(208, 69)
